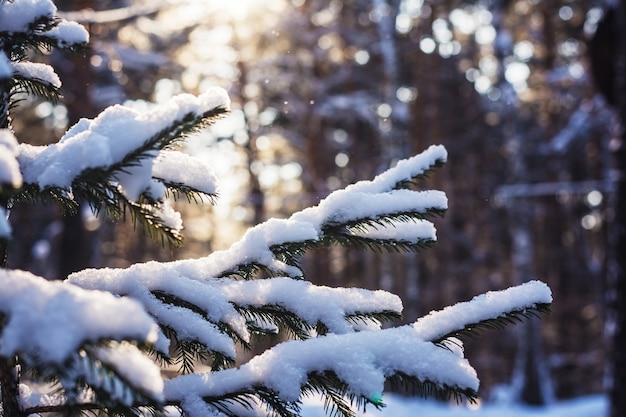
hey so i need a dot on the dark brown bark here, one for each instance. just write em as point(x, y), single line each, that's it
point(617, 397)
point(77, 76)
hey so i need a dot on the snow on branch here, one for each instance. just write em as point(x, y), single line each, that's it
point(68, 333)
point(405, 171)
point(352, 358)
point(20, 16)
point(36, 79)
point(111, 138)
point(366, 205)
point(37, 18)
point(338, 304)
point(202, 310)
point(35, 71)
point(110, 161)
point(487, 307)
point(181, 170)
point(48, 321)
point(405, 352)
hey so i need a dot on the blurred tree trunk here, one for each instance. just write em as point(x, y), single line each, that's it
point(77, 77)
point(617, 397)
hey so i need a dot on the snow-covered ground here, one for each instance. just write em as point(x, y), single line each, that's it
point(397, 406)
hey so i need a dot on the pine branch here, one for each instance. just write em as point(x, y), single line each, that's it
point(384, 316)
point(251, 399)
point(193, 195)
point(95, 184)
point(152, 224)
point(338, 400)
point(170, 136)
point(387, 219)
point(31, 193)
point(382, 245)
point(177, 301)
point(18, 44)
point(429, 389)
point(189, 353)
point(414, 183)
point(250, 270)
point(84, 373)
point(286, 321)
point(291, 253)
point(474, 330)
point(37, 38)
point(36, 87)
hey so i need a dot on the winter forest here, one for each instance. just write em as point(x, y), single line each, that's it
point(312, 207)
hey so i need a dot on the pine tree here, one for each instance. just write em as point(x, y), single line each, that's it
point(98, 342)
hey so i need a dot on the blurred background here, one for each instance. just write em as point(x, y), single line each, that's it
point(329, 92)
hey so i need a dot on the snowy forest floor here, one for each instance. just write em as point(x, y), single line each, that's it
point(397, 406)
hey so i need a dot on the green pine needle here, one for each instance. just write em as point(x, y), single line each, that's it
point(413, 183)
point(36, 87)
point(384, 316)
point(429, 389)
point(30, 193)
point(271, 314)
point(338, 400)
point(176, 190)
point(110, 393)
point(473, 330)
point(250, 399)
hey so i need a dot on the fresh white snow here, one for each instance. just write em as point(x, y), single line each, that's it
point(400, 406)
point(412, 232)
point(196, 174)
point(49, 320)
point(17, 16)
point(108, 139)
point(354, 358)
point(37, 71)
point(482, 307)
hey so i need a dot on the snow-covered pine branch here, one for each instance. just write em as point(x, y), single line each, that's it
point(357, 214)
point(34, 24)
point(59, 331)
point(26, 26)
point(121, 160)
point(199, 307)
point(490, 310)
point(274, 246)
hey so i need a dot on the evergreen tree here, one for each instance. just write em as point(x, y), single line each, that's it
point(97, 343)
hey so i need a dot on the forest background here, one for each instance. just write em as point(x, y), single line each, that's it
point(326, 93)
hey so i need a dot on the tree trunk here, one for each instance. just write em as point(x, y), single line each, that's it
point(77, 76)
point(617, 397)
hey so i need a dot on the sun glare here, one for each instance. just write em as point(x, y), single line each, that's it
point(241, 10)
